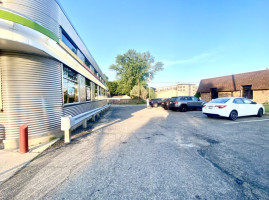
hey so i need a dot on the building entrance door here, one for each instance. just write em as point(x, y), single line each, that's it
point(214, 93)
point(247, 92)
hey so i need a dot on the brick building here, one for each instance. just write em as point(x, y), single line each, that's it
point(252, 85)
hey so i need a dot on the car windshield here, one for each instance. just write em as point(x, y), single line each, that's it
point(173, 99)
point(224, 100)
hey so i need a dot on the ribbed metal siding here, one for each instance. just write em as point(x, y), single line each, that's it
point(2, 115)
point(31, 93)
point(50, 15)
point(45, 12)
point(81, 108)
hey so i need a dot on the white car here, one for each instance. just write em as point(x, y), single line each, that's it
point(233, 107)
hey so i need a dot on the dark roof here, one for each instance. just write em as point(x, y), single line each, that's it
point(258, 79)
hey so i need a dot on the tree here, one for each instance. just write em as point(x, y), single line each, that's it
point(133, 68)
point(113, 86)
point(152, 94)
point(138, 91)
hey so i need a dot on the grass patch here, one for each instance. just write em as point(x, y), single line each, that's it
point(141, 102)
point(266, 106)
point(52, 138)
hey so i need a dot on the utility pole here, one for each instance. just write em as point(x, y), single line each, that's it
point(149, 84)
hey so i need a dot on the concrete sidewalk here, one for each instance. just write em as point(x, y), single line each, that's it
point(12, 160)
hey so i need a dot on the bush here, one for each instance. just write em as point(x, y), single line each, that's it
point(137, 92)
point(141, 102)
point(197, 95)
point(266, 106)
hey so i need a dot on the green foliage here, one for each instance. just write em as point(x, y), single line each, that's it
point(266, 106)
point(141, 101)
point(197, 95)
point(113, 86)
point(138, 92)
point(152, 94)
point(52, 138)
point(133, 68)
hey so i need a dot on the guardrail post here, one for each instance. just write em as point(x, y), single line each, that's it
point(85, 123)
point(93, 118)
point(66, 127)
point(24, 139)
point(67, 136)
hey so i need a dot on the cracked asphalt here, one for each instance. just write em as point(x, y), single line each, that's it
point(134, 152)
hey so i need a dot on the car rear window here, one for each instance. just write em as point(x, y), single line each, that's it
point(173, 99)
point(220, 100)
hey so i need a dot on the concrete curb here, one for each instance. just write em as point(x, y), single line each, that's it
point(43, 147)
point(13, 161)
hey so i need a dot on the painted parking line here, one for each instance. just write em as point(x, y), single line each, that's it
point(248, 121)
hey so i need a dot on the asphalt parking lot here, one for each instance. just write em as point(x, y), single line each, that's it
point(135, 152)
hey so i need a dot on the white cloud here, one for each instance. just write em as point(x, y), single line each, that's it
point(204, 57)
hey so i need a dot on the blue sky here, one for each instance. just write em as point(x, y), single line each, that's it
point(195, 39)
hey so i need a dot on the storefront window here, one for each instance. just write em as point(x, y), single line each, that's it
point(70, 85)
point(88, 90)
point(96, 91)
point(82, 88)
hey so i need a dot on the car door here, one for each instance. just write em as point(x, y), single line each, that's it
point(189, 102)
point(240, 106)
point(196, 103)
point(251, 107)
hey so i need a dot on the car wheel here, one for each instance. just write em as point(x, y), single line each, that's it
point(260, 112)
point(233, 115)
point(183, 108)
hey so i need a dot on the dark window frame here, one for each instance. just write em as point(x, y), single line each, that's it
point(70, 80)
point(77, 51)
point(68, 38)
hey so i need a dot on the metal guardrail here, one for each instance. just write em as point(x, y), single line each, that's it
point(69, 123)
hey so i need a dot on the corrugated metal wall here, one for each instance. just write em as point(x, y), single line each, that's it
point(50, 15)
point(31, 94)
point(74, 110)
point(45, 12)
point(2, 115)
